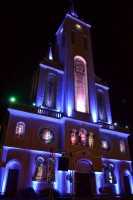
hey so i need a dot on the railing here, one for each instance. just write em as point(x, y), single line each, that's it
point(121, 129)
point(114, 127)
point(37, 110)
point(50, 113)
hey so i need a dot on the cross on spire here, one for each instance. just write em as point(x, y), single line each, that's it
point(72, 11)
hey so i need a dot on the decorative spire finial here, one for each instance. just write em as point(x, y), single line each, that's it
point(50, 56)
point(72, 11)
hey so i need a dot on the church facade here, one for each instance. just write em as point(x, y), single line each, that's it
point(67, 139)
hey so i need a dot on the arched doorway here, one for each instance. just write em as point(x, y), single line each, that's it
point(12, 181)
point(84, 178)
point(11, 178)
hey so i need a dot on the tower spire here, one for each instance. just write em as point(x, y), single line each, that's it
point(72, 10)
point(50, 52)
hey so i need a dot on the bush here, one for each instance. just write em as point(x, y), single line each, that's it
point(26, 193)
point(49, 192)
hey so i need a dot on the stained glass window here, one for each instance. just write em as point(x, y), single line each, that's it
point(50, 170)
point(50, 92)
point(122, 146)
point(82, 137)
point(39, 169)
point(20, 130)
point(81, 85)
point(74, 137)
point(105, 144)
point(101, 106)
point(47, 135)
point(90, 139)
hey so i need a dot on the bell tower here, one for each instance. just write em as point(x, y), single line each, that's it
point(75, 54)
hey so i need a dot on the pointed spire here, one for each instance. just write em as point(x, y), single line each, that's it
point(72, 11)
point(50, 54)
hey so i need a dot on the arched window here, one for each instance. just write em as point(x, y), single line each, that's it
point(105, 171)
point(91, 139)
point(39, 169)
point(105, 144)
point(50, 170)
point(50, 91)
point(73, 137)
point(101, 106)
point(122, 146)
point(111, 174)
point(81, 85)
point(20, 130)
point(82, 137)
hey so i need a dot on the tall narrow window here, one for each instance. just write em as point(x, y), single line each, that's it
point(91, 139)
point(39, 170)
point(72, 37)
point(85, 43)
point(105, 171)
point(82, 137)
point(34, 85)
point(73, 137)
point(111, 174)
point(50, 170)
point(50, 92)
point(81, 85)
point(122, 146)
point(20, 130)
point(101, 106)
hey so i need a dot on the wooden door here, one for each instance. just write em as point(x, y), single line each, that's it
point(12, 181)
point(82, 184)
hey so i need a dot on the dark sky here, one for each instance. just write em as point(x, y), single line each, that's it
point(26, 29)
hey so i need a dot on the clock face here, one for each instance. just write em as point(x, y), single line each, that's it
point(79, 27)
point(46, 135)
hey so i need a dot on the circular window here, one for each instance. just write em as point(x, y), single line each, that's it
point(46, 135)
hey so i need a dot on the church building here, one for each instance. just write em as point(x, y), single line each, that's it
point(66, 139)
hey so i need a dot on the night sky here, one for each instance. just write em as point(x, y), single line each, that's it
point(27, 28)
